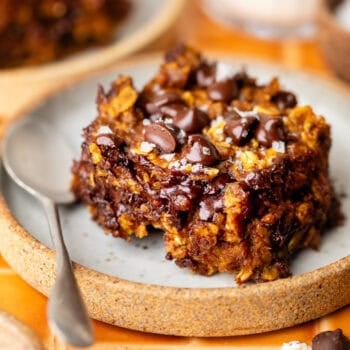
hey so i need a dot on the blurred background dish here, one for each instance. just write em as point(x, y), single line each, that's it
point(140, 23)
point(144, 25)
point(268, 18)
point(334, 35)
point(34, 32)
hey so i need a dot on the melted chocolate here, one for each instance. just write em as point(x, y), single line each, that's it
point(162, 136)
point(200, 150)
point(270, 129)
point(222, 90)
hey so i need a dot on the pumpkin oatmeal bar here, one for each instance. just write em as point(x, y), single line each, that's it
point(233, 172)
point(38, 31)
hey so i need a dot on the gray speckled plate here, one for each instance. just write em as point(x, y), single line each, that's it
point(66, 113)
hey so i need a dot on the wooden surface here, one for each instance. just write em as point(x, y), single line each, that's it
point(195, 28)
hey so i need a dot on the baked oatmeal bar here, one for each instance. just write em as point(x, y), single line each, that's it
point(37, 31)
point(233, 172)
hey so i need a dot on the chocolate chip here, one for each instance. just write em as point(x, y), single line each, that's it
point(189, 119)
point(241, 130)
point(200, 150)
point(231, 115)
point(284, 99)
point(330, 340)
point(222, 90)
point(205, 75)
point(105, 140)
point(174, 109)
point(162, 136)
point(270, 129)
point(153, 106)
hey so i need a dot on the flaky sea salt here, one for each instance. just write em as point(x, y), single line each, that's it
point(279, 146)
point(104, 129)
point(295, 345)
point(224, 71)
point(179, 165)
point(168, 156)
point(146, 147)
point(216, 121)
point(181, 136)
point(146, 122)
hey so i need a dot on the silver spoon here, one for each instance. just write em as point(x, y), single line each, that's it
point(39, 162)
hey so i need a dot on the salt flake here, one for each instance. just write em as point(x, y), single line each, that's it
point(146, 147)
point(104, 129)
point(279, 146)
point(295, 345)
point(224, 71)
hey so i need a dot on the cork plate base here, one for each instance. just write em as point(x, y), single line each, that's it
point(131, 284)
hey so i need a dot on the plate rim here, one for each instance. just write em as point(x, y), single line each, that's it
point(313, 288)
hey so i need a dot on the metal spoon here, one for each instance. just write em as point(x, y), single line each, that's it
point(39, 162)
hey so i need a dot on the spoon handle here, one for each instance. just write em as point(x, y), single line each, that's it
point(67, 314)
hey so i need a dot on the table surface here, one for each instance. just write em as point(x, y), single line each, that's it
point(195, 28)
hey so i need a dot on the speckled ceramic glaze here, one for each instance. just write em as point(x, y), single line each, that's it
point(130, 284)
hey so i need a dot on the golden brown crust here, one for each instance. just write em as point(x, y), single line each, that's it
point(234, 173)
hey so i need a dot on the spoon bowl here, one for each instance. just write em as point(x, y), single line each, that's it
point(34, 169)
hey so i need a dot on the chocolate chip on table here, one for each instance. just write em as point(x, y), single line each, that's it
point(222, 90)
point(241, 130)
point(205, 75)
point(154, 105)
point(188, 119)
point(105, 140)
point(269, 129)
point(331, 340)
point(200, 150)
point(284, 99)
point(162, 136)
